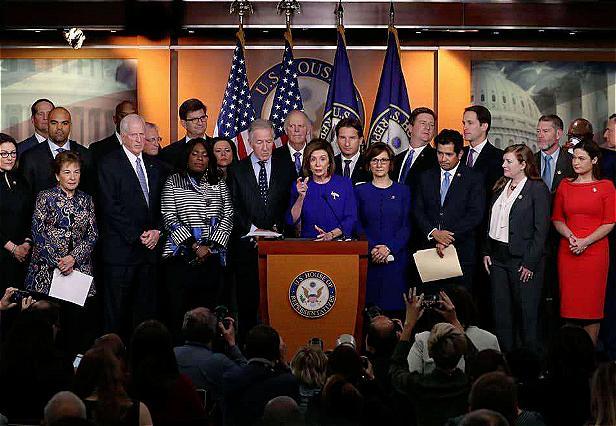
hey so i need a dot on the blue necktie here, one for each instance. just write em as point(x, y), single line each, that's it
point(547, 172)
point(59, 151)
point(263, 182)
point(445, 187)
point(142, 182)
point(298, 162)
point(406, 168)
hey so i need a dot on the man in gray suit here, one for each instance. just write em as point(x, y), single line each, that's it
point(40, 114)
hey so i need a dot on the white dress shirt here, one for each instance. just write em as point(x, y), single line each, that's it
point(54, 148)
point(352, 164)
point(477, 150)
point(499, 220)
point(292, 152)
point(416, 152)
point(39, 138)
point(132, 158)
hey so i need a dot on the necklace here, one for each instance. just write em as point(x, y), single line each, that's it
point(512, 186)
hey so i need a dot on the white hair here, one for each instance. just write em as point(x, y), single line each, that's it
point(306, 119)
point(64, 404)
point(130, 118)
point(258, 124)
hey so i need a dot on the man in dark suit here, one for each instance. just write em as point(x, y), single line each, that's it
point(112, 142)
point(261, 189)
point(129, 187)
point(193, 116)
point(36, 163)
point(298, 128)
point(450, 204)
point(420, 156)
point(350, 163)
point(40, 120)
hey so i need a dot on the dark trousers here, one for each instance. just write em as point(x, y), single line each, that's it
point(515, 304)
point(130, 297)
point(79, 326)
point(187, 287)
point(246, 266)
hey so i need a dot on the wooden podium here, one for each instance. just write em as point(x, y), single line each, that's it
point(324, 280)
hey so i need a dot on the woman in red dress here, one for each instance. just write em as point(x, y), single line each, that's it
point(583, 215)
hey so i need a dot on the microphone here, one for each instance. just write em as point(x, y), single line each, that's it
point(339, 222)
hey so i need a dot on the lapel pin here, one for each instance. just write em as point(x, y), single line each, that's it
point(393, 197)
point(594, 189)
point(558, 172)
point(459, 174)
point(520, 197)
point(335, 195)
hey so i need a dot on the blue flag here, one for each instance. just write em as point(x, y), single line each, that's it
point(390, 117)
point(341, 98)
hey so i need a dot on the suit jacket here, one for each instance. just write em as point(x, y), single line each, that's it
point(36, 166)
point(489, 163)
point(563, 167)
point(103, 147)
point(26, 144)
point(283, 153)
point(424, 161)
point(529, 223)
point(608, 164)
point(360, 174)
point(461, 213)
point(249, 208)
point(125, 215)
point(173, 154)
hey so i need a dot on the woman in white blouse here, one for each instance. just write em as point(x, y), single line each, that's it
point(514, 248)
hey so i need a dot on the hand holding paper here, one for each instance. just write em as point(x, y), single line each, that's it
point(432, 267)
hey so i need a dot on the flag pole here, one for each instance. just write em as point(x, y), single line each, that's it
point(241, 8)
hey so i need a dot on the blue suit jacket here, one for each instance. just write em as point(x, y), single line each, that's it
point(26, 144)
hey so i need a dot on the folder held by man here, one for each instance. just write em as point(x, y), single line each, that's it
point(432, 267)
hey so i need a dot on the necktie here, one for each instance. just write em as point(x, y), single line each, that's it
point(59, 151)
point(142, 182)
point(347, 168)
point(547, 172)
point(263, 182)
point(470, 160)
point(445, 187)
point(406, 168)
point(298, 162)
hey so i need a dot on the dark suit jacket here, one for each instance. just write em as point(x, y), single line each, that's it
point(608, 164)
point(360, 174)
point(489, 163)
point(36, 166)
point(248, 205)
point(26, 144)
point(125, 215)
point(283, 153)
point(563, 167)
point(103, 147)
point(173, 154)
point(461, 213)
point(529, 222)
point(425, 161)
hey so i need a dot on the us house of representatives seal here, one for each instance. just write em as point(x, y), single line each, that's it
point(312, 294)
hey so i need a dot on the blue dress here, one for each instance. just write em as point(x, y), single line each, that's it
point(328, 205)
point(384, 217)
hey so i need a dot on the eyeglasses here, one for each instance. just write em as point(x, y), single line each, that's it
point(154, 140)
point(6, 154)
point(192, 120)
point(380, 160)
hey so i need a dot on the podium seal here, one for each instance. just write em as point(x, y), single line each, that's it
point(312, 294)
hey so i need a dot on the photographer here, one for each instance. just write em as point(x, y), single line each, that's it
point(197, 359)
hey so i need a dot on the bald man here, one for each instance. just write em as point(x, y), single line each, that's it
point(112, 142)
point(36, 163)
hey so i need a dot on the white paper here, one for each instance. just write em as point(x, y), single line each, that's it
point(432, 267)
point(72, 288)
point(262, 233)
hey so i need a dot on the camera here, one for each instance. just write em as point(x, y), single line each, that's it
point(372, 312)
point(19, 295)
point(316, 343)
point(222, 312)
point(430, 301)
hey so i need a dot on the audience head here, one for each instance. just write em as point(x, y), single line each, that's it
point(123, 109)
point(587, 159)
point(63, 405)
point(199, 326)
point(495, 391)
point(50, 312)
point(487, 361)
point(350, 136)
point(298, 129)
point(318, 159)
point(446, 345)
point(282, 411)
point(476, 122)
point(610, 132)
point(345, 362)
point(67, 168)
point(59, 125)
point(261, 138)
point(152, 140)
point(100, 372)
point(466, 310)
point(132, 133)
point(114, 344)
point(571, 353)
point(484, 418)
point(549, 131)
point(8, 152)
point(423, 121)
point(193, 116)
point(40, 115)
point(449, 148)
point(309, 366)
point(382, 336)
point(225, 152)
point(342, 400)
point(263, 342)
point(379, 159)
point(603, 395)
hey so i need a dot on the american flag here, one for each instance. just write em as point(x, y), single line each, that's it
point(287, 96)
point(237, 112)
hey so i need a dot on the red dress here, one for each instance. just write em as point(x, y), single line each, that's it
point(583, 207)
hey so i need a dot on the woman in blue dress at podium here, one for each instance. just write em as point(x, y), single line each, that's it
point(384, 217)
point(322, 204)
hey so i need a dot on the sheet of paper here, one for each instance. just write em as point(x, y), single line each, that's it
point(431, 267)
point(72, 288)
point(263, 233)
